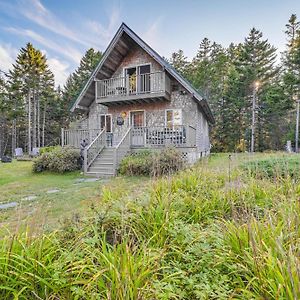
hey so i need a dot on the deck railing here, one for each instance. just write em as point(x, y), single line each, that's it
point(131, 85)
point(93, 149)
point(178, 136)
point(73, 137)
point(122, 148)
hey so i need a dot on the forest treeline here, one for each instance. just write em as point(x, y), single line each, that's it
point(32, 109)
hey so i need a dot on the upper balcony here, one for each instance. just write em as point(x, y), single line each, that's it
point(149, 87)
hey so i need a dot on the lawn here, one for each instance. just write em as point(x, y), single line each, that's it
point(45, 200)
point(226, 228)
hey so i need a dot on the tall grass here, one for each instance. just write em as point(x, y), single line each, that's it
point(191, 236)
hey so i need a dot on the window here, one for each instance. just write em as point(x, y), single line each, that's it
point(173, 117)
point(138, 79)
point(105, 122)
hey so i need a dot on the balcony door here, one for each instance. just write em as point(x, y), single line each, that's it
point(144, 79)
point(138, 79)
point(137, 121)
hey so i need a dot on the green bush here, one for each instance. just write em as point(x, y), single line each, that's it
point(58, 160)
point(288, 166)
point(48, 149)
point(154, 163)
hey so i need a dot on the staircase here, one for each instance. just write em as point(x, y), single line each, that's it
point(103, 165)
point(103, 161)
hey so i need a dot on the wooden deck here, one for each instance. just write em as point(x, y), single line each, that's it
point(148, 88)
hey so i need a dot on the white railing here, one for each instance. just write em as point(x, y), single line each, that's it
point(73, 137)
point(93, 149)
point(131, 85)
point(178, 136)
point(122, 148)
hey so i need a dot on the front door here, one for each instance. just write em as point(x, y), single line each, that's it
point(137, 121)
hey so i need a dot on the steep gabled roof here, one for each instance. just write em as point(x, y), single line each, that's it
point(115, 52)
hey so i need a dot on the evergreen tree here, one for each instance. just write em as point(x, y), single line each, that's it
point(79, 77)
point(30, 84)
point(256, 63)
point(179, 61)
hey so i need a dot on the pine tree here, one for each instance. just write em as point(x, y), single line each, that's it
point(79, 77)
point(30, 83)
point(256, 63)
point(179, 61)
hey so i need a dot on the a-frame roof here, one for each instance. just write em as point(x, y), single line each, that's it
point(118, 48)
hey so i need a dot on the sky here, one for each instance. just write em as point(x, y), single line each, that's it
point(65, 29)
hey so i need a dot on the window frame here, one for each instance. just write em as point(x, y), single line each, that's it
point(105, 121)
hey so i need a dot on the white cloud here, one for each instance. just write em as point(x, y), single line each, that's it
point(152, 36)
point(7, 56)
point(60, 70)
point(36, 12)
point(65, 50)
point(91, 33)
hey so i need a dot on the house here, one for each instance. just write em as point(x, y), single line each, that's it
point(134, 100)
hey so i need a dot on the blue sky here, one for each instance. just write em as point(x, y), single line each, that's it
point(65, 29)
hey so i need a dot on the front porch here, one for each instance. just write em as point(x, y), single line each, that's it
point(105, 150)
point(139, 137)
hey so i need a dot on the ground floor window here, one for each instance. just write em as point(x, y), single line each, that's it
point(173, 117)
point(105, 122)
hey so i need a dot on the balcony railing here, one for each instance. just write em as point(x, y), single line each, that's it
point(156, 82)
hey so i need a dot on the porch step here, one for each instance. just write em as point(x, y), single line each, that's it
point(103, 163)
point(109, 171)
point(99, 174)
point(103, 166)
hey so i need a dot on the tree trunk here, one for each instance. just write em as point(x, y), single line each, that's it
point(34, 144)
point(38, 123)
point(13, 137)
point(29, 122)
point(43, 125)
point(2, 134)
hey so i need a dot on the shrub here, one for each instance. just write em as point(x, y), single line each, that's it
point(58, 160)
point(48, 149)
point(136, 164)
point(155, 163)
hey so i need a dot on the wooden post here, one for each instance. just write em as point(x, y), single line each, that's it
point(85, 163)
point(253, 121)
point(62, 137)
point(297, 129)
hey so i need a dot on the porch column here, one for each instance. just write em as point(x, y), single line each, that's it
point(62, 137)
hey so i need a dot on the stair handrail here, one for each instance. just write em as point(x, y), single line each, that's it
point(118, 154)
point(93, 149)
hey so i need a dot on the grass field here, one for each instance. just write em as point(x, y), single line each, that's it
point(46, 199)
point(227, 228)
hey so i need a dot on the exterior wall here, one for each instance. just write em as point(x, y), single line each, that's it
point(203, 142)
point(137, 56)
